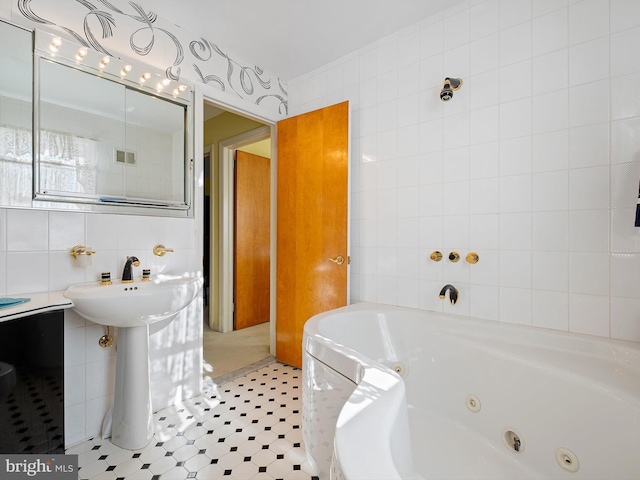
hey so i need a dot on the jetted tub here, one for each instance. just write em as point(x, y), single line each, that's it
point(471, 399)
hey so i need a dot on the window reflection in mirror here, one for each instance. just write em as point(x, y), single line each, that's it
point(15, 116)
point(82, 119)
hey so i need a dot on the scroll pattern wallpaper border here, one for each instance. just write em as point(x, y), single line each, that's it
point(127, 29)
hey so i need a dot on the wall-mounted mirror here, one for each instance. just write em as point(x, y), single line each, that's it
point(108, 132)
point(15, 116)
point(107, 135)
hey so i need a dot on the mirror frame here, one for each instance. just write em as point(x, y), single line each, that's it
point(52, 48)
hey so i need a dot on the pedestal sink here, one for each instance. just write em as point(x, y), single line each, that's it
point(133, 307)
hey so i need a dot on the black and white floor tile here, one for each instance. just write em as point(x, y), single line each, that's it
point(33, 420)
point(246, 429)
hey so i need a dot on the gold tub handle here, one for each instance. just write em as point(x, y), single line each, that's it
point(436, 256)
point(473, 257)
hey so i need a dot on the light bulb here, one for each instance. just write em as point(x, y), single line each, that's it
point(160, 86)
point(146, 76)
point(57, 41)
point(182, 88)
point(166, 82)
point(104, 61)
point(82, 52)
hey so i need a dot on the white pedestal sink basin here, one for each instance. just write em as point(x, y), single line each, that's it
point(133, 307)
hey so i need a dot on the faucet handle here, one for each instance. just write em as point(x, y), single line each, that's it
point(436, 256)
point(473, 257)
point(81, 250)
point(161, 250)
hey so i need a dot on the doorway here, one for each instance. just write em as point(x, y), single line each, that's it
point(311, 166)
point(226, 349)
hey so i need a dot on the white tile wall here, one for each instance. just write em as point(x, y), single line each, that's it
point(34, 257)
point(534, 163)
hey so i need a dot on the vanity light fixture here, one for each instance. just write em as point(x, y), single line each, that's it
point(179, 90)
point(126, 69)
point(55, 44)
point(82, 52)
point(103, 63)
point(145, 77)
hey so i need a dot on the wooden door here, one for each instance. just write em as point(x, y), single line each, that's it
point(251, 238)
point(312, 219)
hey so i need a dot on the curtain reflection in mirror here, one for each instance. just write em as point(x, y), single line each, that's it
point(15, 166)
point(68, 163)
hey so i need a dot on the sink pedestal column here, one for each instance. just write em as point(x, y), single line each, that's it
point(132, 426)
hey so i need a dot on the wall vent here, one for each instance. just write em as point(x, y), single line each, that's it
point(126, 157)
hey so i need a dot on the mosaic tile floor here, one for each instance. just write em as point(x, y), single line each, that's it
point(246, 429)
point(32, 422)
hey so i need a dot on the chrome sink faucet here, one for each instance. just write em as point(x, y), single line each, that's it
point(453, 293)
point(127, 273)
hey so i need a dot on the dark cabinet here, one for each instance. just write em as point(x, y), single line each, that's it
point(32, 384)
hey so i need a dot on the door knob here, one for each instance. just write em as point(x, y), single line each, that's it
point(339, 260)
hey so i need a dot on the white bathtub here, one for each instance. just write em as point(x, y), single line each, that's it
point(476, 399)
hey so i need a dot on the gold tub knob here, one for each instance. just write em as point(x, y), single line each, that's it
point(436, 256)
point(454, 257)
point(473, 257)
